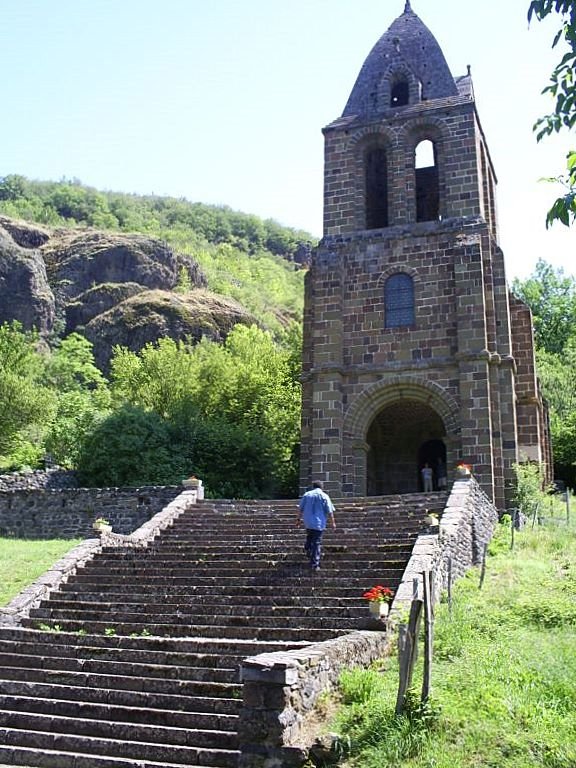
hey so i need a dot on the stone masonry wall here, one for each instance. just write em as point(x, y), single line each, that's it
point(454, 134)
point(281, 690)
point(69, 513)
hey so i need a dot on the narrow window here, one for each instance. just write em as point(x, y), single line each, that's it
point(427, 188)
point(400, 95)
point(399, 301)
point(376, 168)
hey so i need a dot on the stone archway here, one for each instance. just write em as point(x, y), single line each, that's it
point(402, 438)
point(385, 430)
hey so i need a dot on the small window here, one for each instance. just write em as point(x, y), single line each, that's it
point(399, 301)
point(400, 95)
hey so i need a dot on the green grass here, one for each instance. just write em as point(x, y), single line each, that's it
point(504, 673)
point(23, 561)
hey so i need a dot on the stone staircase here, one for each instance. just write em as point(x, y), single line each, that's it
point(135, 660)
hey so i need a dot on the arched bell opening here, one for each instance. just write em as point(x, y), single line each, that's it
point(402, 438)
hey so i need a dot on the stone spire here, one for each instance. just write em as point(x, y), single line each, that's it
point(408, 7)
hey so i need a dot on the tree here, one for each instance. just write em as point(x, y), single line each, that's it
point(552, 298)
point(24, 402)
point(131, 447)
point(245, 393)
point(83, 398)
point(562, 88)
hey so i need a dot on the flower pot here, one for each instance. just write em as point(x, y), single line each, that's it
point(463, 473)
point(379, 610)
point(102, 528)
point(191, 482)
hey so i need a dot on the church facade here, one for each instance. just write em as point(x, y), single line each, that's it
point(415, 353)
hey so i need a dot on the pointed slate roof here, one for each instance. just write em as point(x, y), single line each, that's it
point(407, 44)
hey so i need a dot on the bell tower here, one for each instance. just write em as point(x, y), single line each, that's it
point(410, 356)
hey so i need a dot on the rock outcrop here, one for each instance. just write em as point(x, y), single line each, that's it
point(150, 315)
point(115, 288)
point(25, 293)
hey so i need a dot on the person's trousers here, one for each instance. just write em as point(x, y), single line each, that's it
point(313, 546)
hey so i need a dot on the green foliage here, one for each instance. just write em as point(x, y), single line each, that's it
point(130, 447)
point(23, 561)
point(530, 488)
point(562, 88)
point(25, 404)
point(228, 413)
point(243, 257)
point(504, 673)
point(552, 298)
point(235, 405)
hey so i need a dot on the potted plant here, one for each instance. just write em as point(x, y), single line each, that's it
point(463, 470)
point(379, 598)
point(431, 519)
point(101, 525)
point(191, 482)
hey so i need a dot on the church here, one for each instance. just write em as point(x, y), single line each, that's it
point(415, 352)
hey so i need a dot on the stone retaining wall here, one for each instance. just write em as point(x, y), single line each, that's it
point(466, 526)
point(38, 479)
point(69, 513)
point(31, 596)
point(281, 690)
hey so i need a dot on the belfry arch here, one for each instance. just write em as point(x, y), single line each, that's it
point(394, 429)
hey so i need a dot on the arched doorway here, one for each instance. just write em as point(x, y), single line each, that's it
point(403, 437)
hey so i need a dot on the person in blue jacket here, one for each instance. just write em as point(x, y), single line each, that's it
point(315, 509)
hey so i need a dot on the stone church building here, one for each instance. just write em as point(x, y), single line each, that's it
point(415, 352)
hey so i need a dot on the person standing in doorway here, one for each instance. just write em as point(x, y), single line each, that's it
point(427, 475)
point(315, 509)
point(441, 474)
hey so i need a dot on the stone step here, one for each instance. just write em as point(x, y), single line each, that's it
point(114, 713)
point(314, 589)
point(294, 576)
point(143, 659)
point(189, 688)
point(125, 731)
point(143, 569)
point(292, 533)
point(117, 697)
point(152, 645)
point(289, 633)
point(318, 618)
point(225, 553)
point(128, 669)
point(89, 745)
point(296, 609)
point(54, 758)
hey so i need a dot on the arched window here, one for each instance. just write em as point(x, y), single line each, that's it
point(427, 187)
point(376, 171)
point(400, 94)
point(399, 301)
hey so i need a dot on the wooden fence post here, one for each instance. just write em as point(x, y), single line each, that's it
point(450, 585)
point(428, 635)
point(483, 569)
point(408, 652)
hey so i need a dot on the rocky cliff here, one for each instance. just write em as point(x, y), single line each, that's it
point(114, 288)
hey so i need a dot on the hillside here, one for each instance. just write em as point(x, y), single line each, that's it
point(124, 269)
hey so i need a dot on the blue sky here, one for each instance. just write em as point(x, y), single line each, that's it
point(223, 101)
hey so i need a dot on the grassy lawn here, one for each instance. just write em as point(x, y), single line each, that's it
point(504, 673)
point(23, 561)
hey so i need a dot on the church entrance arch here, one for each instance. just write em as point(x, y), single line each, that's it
point(402, 438)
